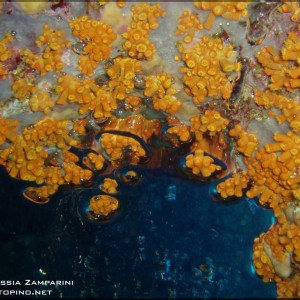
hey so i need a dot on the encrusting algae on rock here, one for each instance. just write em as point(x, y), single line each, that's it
point(90, 94)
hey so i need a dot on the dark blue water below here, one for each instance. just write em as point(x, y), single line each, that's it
point(168, 240)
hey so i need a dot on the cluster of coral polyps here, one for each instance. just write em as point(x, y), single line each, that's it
point(121, 74)
point(188, 24)
point(234, 186)
point(109, 186)
point(201, 164)
point(97, 38)
point(90, 96)
point(228, 10)
point(289, 108)
point(103, 205)
point(144, 19)
point(160, 88)
point(182, 131)
point(208, 64)
point(31, 157)
point(54, 45)
point(246, 143)
point(210, 122)
point(277, 255)
point(97, 90)
point(283, 68)
point(291, 7)
point(117, 147)
point(8, 130)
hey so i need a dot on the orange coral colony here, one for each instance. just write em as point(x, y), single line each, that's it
point(144, 19)
point(109, 186)
point(160, 88)
point(103, 205)
point(228, 10)
point(233, 186)
point(97, 38)
point(201, 164)
point(121, 85)
point(284, 69)
point(54, 45)
point(188, 24)
point(207, 64)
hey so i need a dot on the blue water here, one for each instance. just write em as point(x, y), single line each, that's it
point(168, 240)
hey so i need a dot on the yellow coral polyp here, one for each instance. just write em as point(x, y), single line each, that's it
point(189, 23)
point(53, 39)
point(22, 88)
point(228, 10)
point(8, 130)
point(182, 131)
point(54, 46)
point(159, 84)
point(290, 108)
point(233, 186)
point(282, 67)
point(210, 122)
point(136, 37)
point(168, 103)
point(272, 171)
point(247, 143)
point(117, 147)
point(98, 37)
point(122, 74)
point(103, 205)
point(291, 7)
point(79, 126)
point(289, 288)
point(24, 160)
point(41, 101)
point(75, 174)
point(5, 54)
point(27, 158)
point(133, 102)
point(137, 43)
point(86, 93)
point(51, 132)
point(207, 64)
point(282, 242)
point(109, 186)
point(201, 164)
point(54, 175)
point(291, 49)
point(262, 262)
point(69, 157)
point(147, 12)
point(97, 160)
point(41, 195)
point(160, 88)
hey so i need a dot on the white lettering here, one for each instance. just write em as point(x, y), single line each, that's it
point(10, 282)
point(27, 282)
